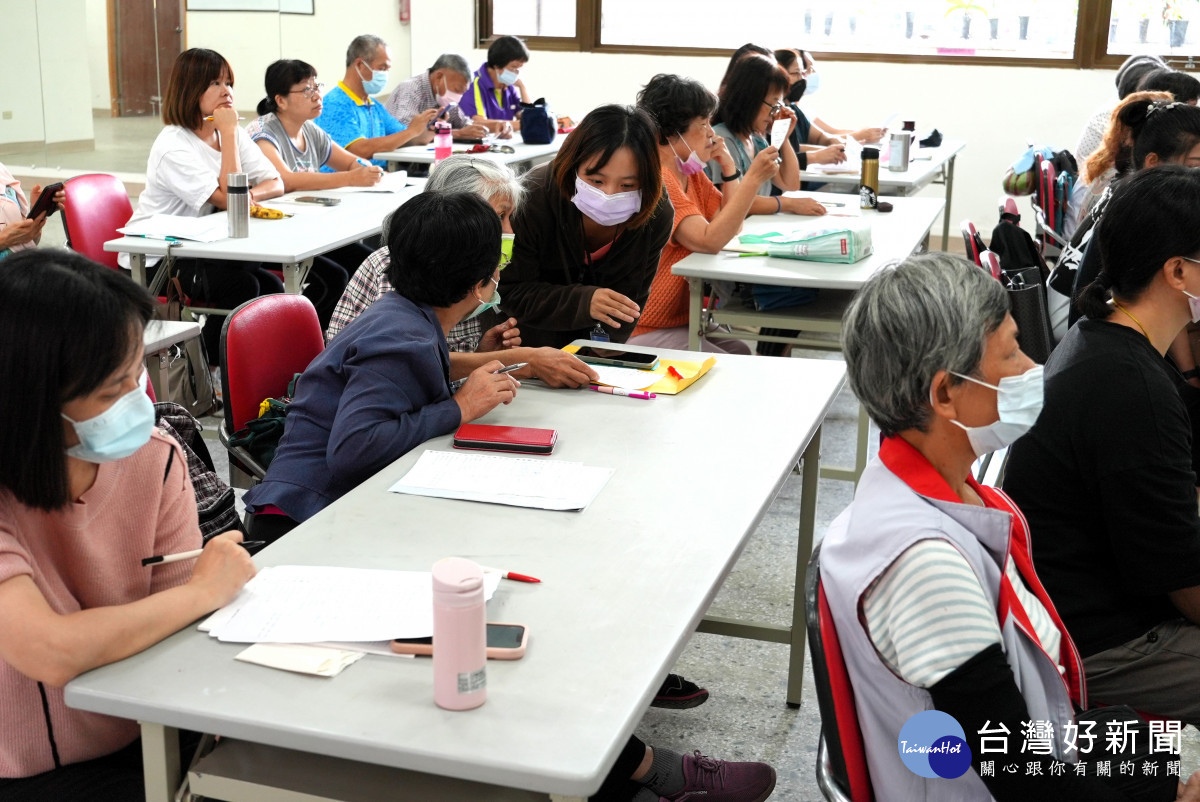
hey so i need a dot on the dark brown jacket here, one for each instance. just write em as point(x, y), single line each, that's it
point(548, 286)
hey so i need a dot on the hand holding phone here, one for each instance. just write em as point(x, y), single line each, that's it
point(45, 202)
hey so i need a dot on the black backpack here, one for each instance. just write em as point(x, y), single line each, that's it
point(538, 126)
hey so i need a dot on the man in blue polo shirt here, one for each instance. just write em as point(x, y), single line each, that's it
point(352, 118)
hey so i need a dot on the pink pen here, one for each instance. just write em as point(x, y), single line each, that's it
point(645, 395)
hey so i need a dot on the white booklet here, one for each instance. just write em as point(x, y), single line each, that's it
point(209, 228)
point(517, 481)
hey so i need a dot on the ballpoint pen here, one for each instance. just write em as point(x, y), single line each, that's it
point(644, 395)
point(211, 118)
point(510, 368)
point(513, 575)
point(163, 559)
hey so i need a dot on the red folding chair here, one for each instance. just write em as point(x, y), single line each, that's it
point(96, 206)
point(264, 343)
point(972, 241)
point(842, 772)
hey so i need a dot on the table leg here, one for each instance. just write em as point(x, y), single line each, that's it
point(695, 313)
point(160, 762)
point(158, 377)
point(137, 268)
point(948, 180)
point(808, 520)
point(293, 275)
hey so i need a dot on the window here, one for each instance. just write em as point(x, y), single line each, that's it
point(1053, 33)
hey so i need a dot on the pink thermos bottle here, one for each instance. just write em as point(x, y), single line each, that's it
point(443, 141)
point(459, 635)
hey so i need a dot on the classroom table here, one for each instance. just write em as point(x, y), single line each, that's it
point(929, 166)
point(894, 236)
point(521, 159)
point(157, 339)
point(292, 242)
point(625, 584)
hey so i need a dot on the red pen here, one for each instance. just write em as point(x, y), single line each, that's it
point(513, 575)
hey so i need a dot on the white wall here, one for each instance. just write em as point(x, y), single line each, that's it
point(97, 45)
point(994, 108)
point(251, 41)
point(21, 94)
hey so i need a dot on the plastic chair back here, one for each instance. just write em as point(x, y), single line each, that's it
point(842, 770)
point(96, 206)
point(971, 240)
point(264, 343)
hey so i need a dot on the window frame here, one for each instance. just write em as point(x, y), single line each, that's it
point(1091, 42)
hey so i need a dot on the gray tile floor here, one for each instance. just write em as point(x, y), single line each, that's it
point(745, 717)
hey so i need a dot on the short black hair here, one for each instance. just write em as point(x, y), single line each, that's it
point(1133, 76)
point(742, 96)
point(441, 245)
point(281, 76)
point(1153, 216)
point(506, 49)
point(674, 102)
point(67, 325)
point(1183, 87)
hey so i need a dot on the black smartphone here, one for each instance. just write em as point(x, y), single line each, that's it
point(618, 358)
point(440, 114)
point(504, 642)
point(45, 201)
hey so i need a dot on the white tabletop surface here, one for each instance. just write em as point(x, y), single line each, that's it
point(624, 584)
point(925, 166)
point(161, 333)
point(423, 154)
point(311, 231)
point(894, 235)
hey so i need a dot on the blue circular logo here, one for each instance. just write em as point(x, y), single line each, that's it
point(932, 744)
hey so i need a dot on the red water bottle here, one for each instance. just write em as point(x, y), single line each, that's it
point(442, 141)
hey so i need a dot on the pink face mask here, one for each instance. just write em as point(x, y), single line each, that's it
point(691, 166)
point(605, 209)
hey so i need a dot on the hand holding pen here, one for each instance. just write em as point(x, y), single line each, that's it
point(485, 389)
point(222, 567)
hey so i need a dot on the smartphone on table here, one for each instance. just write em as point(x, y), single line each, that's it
point(319, 200)
point(504, 642)
point(45, 201)
point(617, 358)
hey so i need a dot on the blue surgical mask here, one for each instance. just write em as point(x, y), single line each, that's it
point(508, 77)
point(116, 432)
point(377, 83)
point(485, 306)
point(1019, 402)
point(814, 83)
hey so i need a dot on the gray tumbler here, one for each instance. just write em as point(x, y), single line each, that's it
point(898, 156)
point(237, 196)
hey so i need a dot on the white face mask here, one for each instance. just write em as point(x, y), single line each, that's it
point(1019, 402)
point(1193, 301)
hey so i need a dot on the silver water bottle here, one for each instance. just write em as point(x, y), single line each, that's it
point(898, 155)
point(237, 202)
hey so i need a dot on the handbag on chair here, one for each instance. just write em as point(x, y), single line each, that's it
point(189, 380)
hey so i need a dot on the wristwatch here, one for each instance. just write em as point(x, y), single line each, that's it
point(725, 179)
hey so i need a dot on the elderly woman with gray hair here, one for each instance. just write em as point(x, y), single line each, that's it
point(928, 573)
point(470, 345)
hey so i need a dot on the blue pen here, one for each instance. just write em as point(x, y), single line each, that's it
point(151, 236)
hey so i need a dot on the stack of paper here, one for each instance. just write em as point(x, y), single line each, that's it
point(517, 481)
point(314, 604)
point(209, 228)
point(625, 378)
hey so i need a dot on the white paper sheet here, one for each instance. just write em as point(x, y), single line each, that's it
point(391, 182)
point(779, 132)
point(516, 481)
point(625, 378)
point(209, 228)
point(315, 604)
point(302, 659)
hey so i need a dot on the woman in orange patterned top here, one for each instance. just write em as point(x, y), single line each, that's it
point(705, 217)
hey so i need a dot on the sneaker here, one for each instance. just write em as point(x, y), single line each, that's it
point(678, 693)
point(706, 779)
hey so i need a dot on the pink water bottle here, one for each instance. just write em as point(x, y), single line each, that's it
point(442, 141)
point(459, 635)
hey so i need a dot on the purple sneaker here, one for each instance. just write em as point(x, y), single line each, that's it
point(709, 780)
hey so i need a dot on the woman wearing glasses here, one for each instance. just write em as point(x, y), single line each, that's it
point(750, 102)
point(301, 151)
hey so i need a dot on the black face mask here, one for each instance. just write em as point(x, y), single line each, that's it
point(797, 91)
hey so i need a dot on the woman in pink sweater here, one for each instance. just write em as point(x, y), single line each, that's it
point(87, 489)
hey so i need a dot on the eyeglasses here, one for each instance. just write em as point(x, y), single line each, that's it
point(775, 108)
point(311, 92)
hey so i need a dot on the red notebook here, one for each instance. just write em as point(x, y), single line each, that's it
point(516, 439)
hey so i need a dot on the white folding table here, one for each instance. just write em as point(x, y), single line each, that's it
point(625, 583)
point(522, 158)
